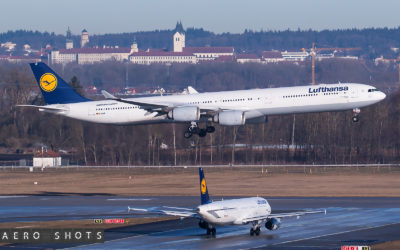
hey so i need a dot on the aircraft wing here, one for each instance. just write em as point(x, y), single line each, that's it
point(282, 215)
point(162, 108)
point(172, 211)
point(144, 105)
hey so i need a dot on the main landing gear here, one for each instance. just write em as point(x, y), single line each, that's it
point(256, 229)
point(356, 111)
point(211, 231)
point(194, 129)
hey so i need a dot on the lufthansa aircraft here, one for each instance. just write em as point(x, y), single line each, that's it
point(255, 210)
point(225, 108)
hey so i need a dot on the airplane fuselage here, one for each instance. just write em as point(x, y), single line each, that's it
point(254, 103)
point(232, 212)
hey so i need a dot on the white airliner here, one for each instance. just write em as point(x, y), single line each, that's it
point(255, 210)
point(225, 108)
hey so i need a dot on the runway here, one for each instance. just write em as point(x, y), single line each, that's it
point(349, 221)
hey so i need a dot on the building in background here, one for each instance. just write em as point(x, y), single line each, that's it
point(248, 58)
point(69, 43)
point(295, 55)
point(179, 38)
point(46, 158)
point(84, 38)
point(272, 57)
point(90, 55)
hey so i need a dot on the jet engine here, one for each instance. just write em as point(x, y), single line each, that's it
point(230, 118)
point(273, 224)
point(184, 114)
point(257, 120)
point(203, 224)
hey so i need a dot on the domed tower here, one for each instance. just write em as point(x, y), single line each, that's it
point(179, 37)
point(69, 44)
point(84, 38)
point(134, 47)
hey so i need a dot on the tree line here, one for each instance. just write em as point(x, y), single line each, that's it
point(373, 41)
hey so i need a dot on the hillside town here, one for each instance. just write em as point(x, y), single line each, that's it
point(83, 54)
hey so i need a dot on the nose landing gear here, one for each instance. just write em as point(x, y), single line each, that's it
point(355, 117)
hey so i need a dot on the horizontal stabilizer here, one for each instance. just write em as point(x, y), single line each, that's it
point(43, 107)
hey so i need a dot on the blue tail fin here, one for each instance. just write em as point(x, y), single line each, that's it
point(54, 88)
point(203, 188)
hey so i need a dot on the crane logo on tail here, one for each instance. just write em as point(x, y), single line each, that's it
point(48, 82)
point(203, 187)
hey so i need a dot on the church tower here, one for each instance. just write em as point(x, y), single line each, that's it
point(69, 44)
point(84, 38)
point(179, 38)
point(134, 46)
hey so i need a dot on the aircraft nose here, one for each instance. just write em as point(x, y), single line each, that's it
point(381, 95)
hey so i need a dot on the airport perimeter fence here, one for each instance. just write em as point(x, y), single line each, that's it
point(263, 169)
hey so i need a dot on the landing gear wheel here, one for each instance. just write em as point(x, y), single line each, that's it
point(210, 129)
point(213, 231)
point(202, 132)
point(193, 130)
point(355, 118)
point(257, 231)
point(208, 231)
point(251, 232)
point(187, 134)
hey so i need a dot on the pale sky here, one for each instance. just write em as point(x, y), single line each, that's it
point(116, 16)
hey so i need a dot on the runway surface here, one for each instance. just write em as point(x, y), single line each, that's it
point(349, 221)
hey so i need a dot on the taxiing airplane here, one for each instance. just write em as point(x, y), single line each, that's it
point(225, 108)
point(255, 210)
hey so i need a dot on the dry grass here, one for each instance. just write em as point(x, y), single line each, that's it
point(276, 181)
point(391, 245)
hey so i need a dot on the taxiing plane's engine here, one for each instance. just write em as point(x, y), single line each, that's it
point(184, 114)
point(203, 224)
point(273, 224)
point(230, 118)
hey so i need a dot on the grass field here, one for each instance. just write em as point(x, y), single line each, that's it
point(222, 181)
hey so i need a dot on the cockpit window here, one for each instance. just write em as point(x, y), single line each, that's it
point(372, 90)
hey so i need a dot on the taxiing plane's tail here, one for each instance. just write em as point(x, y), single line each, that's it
point(54, 89)
point(203, 188)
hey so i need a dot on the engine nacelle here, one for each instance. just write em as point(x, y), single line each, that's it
point(203, 224)
point(184, 114)
point(257, 120)
point(273, 224)
point(230, 118)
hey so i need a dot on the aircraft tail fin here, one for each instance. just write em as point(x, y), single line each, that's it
point(203, 188)
point(54, 89)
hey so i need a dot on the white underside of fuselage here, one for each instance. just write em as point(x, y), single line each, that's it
point(255, 103)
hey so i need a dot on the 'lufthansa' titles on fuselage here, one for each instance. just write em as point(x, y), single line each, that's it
point(327, 89)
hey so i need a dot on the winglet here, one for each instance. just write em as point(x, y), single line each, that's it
point(191, 90)
point(325, 211)
point(108, 95)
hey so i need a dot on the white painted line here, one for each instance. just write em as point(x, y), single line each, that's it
point(12, 196)
point(343, 232)
point(130, 199)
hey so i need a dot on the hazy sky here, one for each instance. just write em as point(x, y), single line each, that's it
point(115, 16)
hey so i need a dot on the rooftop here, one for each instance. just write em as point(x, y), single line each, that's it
point(208, 49)
point(94, 50)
